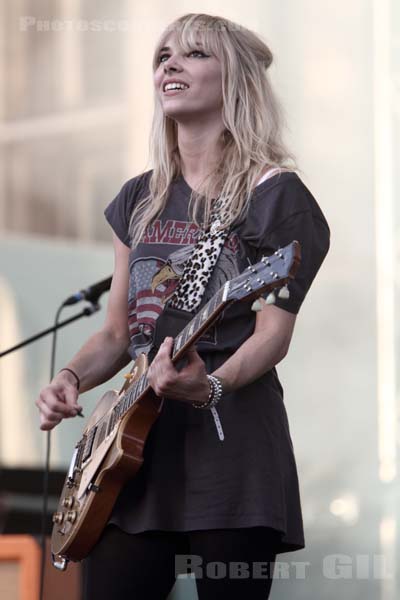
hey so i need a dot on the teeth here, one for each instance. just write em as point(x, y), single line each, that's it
point(175, 86)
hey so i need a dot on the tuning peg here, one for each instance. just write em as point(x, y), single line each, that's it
point(270, 299)
point(284, 292)
point(256, 306)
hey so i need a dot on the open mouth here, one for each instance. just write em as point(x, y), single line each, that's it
point(174, 88)
point(173, 92)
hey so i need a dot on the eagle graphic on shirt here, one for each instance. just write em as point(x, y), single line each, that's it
point(154, 280)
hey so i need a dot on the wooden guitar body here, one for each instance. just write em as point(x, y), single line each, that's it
point(100, 468)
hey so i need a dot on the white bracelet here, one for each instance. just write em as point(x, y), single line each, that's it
point(215, 393)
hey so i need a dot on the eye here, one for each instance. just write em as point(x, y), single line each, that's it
point(162, 56)
point(197, 52)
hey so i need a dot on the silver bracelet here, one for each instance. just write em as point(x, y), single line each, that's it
point(215, 393)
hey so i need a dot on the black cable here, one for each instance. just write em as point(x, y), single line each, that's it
point(47, 467)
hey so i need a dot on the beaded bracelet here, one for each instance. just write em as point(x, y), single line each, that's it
point(214, 395)
point(78, 381)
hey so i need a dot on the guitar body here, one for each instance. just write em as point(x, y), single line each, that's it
point(99, 470)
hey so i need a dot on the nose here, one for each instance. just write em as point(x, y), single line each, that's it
point(171, 65)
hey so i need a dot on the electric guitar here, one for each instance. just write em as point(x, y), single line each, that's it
point(110, 450)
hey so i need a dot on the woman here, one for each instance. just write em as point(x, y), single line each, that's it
point(217, 488)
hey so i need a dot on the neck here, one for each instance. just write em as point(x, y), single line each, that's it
point(199, 148)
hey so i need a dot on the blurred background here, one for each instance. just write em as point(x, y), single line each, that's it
point(76, 103)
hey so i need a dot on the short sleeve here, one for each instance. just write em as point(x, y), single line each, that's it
point(290, 212)
point(118, 212)
point(313, 236)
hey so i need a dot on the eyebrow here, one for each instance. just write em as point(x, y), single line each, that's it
point(168, 48)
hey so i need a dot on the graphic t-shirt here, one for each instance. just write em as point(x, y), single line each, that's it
point(190, 479)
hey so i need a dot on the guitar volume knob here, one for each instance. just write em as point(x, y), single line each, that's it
point(68, 502)
point(71, 516)
point(58, 517)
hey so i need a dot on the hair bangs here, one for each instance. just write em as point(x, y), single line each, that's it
point(194, 31)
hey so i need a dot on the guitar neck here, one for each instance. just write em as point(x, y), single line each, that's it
point(200, 323)
point(187, 337)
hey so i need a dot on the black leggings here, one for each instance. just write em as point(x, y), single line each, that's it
point(228, 563)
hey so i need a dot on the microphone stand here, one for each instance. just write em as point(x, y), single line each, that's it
point(86, 312)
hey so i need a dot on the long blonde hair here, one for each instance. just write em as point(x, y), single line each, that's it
point(251, 113)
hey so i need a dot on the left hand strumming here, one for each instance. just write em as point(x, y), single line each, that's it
point(190, 384)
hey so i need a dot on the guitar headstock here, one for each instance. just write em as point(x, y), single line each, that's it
point(271, 272)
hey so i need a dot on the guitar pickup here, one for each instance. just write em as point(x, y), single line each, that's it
point(89, 445)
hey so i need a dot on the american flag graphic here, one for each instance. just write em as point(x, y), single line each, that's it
point(146, 304)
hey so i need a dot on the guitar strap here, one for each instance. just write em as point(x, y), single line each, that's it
point(200, 265)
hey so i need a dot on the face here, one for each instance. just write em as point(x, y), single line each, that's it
point(201, 74)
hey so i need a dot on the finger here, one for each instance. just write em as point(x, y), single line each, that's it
point(56, 401)
point(48, 413)
point(47, 425)
point(193, 356)
point(71, 399)
point(48, 421)
point(162, 362)
point(166, 347)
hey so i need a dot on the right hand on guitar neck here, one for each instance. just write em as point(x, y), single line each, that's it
point(58, 400)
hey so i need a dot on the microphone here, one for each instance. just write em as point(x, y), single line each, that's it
point(91, 293)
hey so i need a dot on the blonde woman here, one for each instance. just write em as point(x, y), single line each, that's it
point(217, 488)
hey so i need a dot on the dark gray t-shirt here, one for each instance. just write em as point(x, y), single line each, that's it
point(191, 479)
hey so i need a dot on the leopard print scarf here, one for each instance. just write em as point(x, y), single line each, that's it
point(198, 268)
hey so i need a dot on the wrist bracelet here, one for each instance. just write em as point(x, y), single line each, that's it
point(214, 395)
point(78, 381)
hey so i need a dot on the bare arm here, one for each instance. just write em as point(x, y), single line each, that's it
point(101, 357)
point(258, 354)
point(105, 352)
point(264, 349)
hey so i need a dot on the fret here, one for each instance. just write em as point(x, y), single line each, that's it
point(141, 384)
point(136, 391)
point(185, 335)
point(178, 342)
point(197, 322)
point(219, 297)
point(204, 313)
point(117, 409)
point(145, 382)
point(214, 302)
point(131, 396)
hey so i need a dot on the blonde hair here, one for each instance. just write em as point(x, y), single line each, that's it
point(251, 113)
